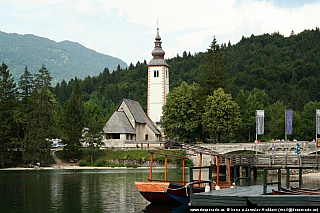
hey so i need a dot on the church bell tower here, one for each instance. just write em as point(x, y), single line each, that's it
point(158, 82)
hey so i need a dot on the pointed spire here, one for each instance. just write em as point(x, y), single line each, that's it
point(158, 36)
point(157, 52)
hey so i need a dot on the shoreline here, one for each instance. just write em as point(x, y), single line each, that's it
point(73, 168)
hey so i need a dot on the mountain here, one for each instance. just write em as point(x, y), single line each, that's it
point(64, 60)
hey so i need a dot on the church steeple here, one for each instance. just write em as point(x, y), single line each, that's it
point(158, 82)
point(157, 52)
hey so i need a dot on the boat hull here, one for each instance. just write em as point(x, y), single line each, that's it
point(165, 191)
point(155, 191)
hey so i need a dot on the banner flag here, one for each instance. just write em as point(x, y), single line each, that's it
point(273, 149)
point(289, 120)
point(260, 122)
point(318, 121)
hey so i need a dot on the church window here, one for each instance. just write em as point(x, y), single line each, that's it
point(166, 73)
point(156, 73)
point(116, 136)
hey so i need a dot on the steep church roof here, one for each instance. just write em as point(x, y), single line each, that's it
point(136, 110)
point(139, 115)
point(118, 123)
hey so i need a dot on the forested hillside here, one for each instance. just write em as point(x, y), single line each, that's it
point(288, 68)
point(64, 60)
point(274, 71)
point(266, 72)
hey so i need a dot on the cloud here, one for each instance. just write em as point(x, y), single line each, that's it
point(87, 6)
point(127, 28)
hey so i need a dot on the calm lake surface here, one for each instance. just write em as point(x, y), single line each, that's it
point(97, 190)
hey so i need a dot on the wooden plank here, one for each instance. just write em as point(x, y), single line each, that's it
point(242, 196)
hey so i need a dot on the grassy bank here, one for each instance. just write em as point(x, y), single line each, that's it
point(123, 158)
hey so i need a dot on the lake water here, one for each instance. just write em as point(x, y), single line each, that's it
point(67, 191)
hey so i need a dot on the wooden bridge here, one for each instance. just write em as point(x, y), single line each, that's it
point(278, 161)
point(306, 147)
point(277, 154)
point(262, 160)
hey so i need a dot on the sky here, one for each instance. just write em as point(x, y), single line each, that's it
point(126, 28)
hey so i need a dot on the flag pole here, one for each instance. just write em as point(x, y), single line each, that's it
point(316, 144)
point(285, 136)
point(256, 141)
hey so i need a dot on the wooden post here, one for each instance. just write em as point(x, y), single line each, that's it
point(183, 172)
point(165, 167)
point(200, 164)
point(229, 172)
point(300, 177)
point(151, 163)
point(217, 170)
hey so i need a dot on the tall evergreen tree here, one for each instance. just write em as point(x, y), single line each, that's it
point(25, 85)
point(25, 91)
point(73, 121)
point(213, 73)
point(8, 103)
point(42, 118)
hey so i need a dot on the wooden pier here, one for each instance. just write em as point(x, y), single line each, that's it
point(251, 196)
point(256, 195)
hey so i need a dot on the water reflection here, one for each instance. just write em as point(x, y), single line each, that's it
point(74, 190)
point(166, 208)
point(89, 190)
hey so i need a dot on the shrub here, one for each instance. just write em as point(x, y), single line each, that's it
point(83, 163)
point(100, 163)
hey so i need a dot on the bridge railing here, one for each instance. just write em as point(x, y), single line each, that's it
point(280, 160)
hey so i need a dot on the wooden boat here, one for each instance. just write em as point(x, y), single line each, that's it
point(172, 191)
point(305, 189)
point(301, 191)
point(285, 191)
point(276, 192)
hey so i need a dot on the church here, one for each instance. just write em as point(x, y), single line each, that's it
point(129, 125)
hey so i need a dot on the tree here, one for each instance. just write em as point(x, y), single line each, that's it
point(8, 104)
point(93, 119)
point(275, 120)
point(73, 123)
point(213, 72)
point(221, 114)
point(248, 118)
point(43, 79)
point(307, 124)
point(182, 113)
point(26, 87)
point(41, 118)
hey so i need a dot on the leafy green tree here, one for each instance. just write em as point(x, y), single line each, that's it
point(221, 114)
point(248, 117)
point(213, 72)
point(73, 121)
point(8, 104)
point(182, 113)
point(275, 120)
point(307, 125)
